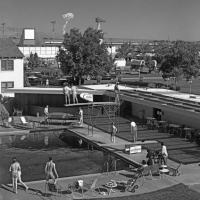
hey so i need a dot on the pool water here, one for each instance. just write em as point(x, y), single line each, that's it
point(32, 151)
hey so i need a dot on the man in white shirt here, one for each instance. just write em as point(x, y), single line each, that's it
point(66, 91)
point(134, 131)
point(113, 133)
point(80, 116)
point(164, 153)
point(117, 92)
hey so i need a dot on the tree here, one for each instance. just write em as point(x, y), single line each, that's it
point(124, 50)
point(191, 61)
point(178, 59)
point(3, 111)
point(84, 54)
point(34, 61)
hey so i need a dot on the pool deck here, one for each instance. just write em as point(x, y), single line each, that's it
point(190, 176)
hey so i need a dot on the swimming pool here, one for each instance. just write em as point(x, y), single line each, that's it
point(32, 150)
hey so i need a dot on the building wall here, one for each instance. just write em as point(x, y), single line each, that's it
point(45, 52)
point(17, 75)
point(26, 101)
point(177, 118)
point(41, 51)
point(137, 109)
point(143, 109)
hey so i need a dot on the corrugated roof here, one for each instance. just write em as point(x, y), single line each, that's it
point(8, 49)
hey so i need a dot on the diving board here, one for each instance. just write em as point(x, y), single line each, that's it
point(91, 103)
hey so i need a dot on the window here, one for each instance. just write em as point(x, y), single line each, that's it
point(5, 85)
point(7, 65)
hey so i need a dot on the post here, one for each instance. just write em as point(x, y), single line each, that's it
point(167, 82)
point(53, 22)
point(190, 86)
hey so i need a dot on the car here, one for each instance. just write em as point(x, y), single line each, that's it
point(105, 76)
point(33, 80)
point(37, 74)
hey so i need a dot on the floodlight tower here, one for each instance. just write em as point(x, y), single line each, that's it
point(53, 22)
point(3, 24)
point(98, 20)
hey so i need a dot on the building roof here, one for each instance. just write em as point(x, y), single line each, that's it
point(8, 49)
point(36, 42)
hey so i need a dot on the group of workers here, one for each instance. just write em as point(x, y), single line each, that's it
point(163, 155)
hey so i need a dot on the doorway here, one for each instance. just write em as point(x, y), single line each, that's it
point(157, 113)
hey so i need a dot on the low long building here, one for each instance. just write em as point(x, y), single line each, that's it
point(167, 105)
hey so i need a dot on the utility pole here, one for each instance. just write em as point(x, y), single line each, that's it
point(111, 47)
point(3, 24)
point(53, 22)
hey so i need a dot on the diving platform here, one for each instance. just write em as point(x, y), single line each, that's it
point(90, 104)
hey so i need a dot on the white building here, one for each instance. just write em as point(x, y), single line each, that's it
point(32, 42)
point(11, 66)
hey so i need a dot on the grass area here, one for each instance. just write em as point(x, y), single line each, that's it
point(177, 192)
point(185, 86)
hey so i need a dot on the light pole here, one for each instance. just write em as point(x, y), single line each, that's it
point(3, 24)
point(53, 22)
point(111, 47)
point(167, 79)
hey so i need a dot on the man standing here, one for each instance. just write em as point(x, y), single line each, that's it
point(74, 93)
point(117, 91)
point(49, 169)
point(66, 91)
point(164, 153)
point(113, 133)
point(15, 168)
point(46, 113)
point(134, 131)
point(80, 116)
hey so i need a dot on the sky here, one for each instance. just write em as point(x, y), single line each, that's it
point(130, 19)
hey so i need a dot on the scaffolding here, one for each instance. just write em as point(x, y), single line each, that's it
point(109, 109)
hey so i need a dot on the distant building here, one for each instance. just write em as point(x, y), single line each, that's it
point(47, 48)
point(32, 42)
point(11, 66)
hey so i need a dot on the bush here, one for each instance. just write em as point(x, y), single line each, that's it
point(141, 84)
point(175, 87)
point(82, 81)
point(178, 88)
point(141, 79)
point(160, 85)
point(119, 78)
point(99, 78)
point(172, 86)
point(151, 85)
